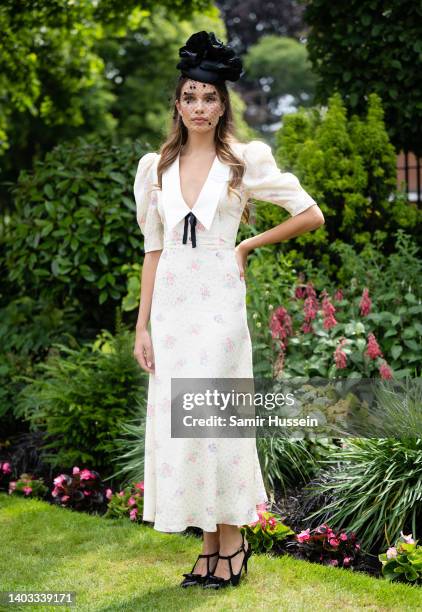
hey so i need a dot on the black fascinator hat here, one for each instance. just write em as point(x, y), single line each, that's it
point(205, 58)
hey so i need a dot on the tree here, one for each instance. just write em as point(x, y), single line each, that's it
point(373, 46)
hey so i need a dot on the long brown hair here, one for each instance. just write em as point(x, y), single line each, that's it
point(224, 136)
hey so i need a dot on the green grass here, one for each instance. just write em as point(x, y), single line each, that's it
point(117, 565)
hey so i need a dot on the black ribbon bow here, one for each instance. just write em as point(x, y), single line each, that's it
point(190, 218)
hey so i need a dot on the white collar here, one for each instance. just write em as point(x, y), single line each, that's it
point(174, 206)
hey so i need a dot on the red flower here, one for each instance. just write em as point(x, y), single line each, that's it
point(385, 371)
point(281, 325)
point(373, 350)
point(365, 303)
point(340, 356)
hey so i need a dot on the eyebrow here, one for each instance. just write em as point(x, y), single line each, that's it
point(207, 93)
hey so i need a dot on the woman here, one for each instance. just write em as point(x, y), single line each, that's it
point(190, 199)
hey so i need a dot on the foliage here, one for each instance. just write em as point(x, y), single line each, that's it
point(264, 533)
point(61, 83)
point(80, 398)
point(74, 227)
point(376, 50)
point(27, 329)
point(349, 167)
point(403, 561)
point(282, 64)
point(129, 502)
point(375, 487)
point(287, 462)
point(368, 325)
point(327, 546)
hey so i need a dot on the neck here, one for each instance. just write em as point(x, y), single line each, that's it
point(199, 143)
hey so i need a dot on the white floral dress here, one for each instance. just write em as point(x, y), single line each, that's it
point(199, 329)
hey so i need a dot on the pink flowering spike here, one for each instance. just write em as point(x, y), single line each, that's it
point(338, 296)
point(365, 303)
point(385, 371)
point(340, 357)
point(373, 350)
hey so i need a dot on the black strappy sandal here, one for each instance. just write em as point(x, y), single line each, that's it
point(216, 582)
point(191, 578)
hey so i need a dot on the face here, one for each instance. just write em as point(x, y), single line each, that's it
point(199, 101)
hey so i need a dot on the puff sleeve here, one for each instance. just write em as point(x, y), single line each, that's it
point(147, 214)
point(264, 181)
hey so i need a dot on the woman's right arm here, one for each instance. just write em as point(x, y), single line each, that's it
point(143, 350)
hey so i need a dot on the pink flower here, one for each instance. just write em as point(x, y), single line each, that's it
point(365, 303)
point(12, 486)
point(328, 310)
point(303, 536)
point(310, 291)
point(6, 469)
point(310, 308)
point(75, 471)
point(334, 562)
point(139, 485)
point(340, 356)
point(87, 493)
point(59, 480)
point(391, 552)
point(109, 493)
point(338, 296)
point(334, 542)
point(343, 536)
point(347, 561)
point(385, 371)
point(132, 501)
point(407, 538)
point(300, 293)
point(27, 490)
point(373, 350)
point(121, 493)
point(86, 475)
point(357, 546)
point(133, 514)
point(65, 498)
point(263, 522)
point(55, 492)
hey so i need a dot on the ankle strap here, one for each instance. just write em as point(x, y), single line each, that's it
point(240, 549)
point(210, 555)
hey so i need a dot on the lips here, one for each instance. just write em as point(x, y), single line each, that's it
point(199, 120)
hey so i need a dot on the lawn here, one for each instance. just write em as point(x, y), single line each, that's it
point(117, 565)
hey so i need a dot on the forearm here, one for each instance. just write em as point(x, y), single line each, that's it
point(149, 268)
point(310, 219)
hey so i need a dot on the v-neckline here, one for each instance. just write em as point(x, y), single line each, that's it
point(179, 182)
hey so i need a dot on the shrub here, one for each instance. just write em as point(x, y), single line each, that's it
point(374, 486)
point(264, 533)
point(128, 502)
point(403, 561)
point(80, 398)
point(74, 227)
point(28, 486)
point(327, 546)
point(82, 491)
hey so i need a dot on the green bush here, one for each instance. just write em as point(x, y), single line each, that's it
point(81, 397)
point(373, 487)
point(74, 228)
point(348, 166)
